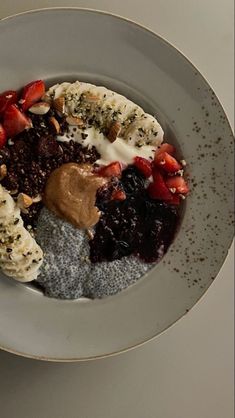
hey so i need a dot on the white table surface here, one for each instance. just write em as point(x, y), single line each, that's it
point(188, 371)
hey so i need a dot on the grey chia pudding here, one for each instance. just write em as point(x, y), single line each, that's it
point(90, 194)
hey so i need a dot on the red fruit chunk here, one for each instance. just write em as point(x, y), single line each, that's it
point(158, 189)
point(15, 121)
point(112, 170)
point(32, 93)
point(7, 98)
point(178, 183)
point(166, 148)
point(3, 136)
point(175, 200)
point(167, 162)
point(118, 195)
point(144, 166)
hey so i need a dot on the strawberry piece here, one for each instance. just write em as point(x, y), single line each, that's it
point(32, 93)
point(178, 183)
point(111, 170)
point(175, 200)
point(7, 98)
point(156, 172)
point(166, 148)
point(158, 189)
point(3, 136)
point(118, 195)
point(144, 166)
point(167, 162)
point(15, 121)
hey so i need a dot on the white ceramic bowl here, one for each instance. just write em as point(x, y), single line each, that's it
point(69, 44)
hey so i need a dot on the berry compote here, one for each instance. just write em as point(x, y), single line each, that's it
point(137, 225)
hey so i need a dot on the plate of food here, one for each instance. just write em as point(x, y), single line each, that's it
point(116, 184)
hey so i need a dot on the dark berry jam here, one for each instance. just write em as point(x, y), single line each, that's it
point(138, 225)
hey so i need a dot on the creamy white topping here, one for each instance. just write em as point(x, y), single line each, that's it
point(119, 150)
point(100, 107)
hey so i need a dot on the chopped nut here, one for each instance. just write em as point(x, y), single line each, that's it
point(114, 131)
point(55, 124)
point(24, 201)
point(46, 98)
point(37, 198)
point(40, 108)
point(3, 171)
point(90, 234)
point(183, 163)
point(13, 192)
point(172, 189)
point(180, 173)
point(59, 105)
point(74, 121)
point(91, 98)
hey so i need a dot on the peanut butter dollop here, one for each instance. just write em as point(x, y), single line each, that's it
point(71, 194)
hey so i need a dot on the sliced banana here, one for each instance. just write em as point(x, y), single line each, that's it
point(102, 107)
point(7, 206)
point(28, 266)
point(18, 252)
point(20, 255)
point(11, 222)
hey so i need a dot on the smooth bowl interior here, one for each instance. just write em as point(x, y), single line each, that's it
point(56, 45)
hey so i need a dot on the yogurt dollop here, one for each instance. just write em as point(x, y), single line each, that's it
point(98, 109)
point(119, 150)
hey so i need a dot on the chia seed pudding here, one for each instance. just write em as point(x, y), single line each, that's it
point(87, 173)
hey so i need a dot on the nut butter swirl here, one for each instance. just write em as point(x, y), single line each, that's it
point(70, 193)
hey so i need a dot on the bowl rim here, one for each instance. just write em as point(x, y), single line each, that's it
point(201, 297)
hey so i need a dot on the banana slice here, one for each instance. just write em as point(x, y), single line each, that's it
point(18, 251)
point(20, 255)
point(101, 107)
point(7, 205)
point(14, 238)
point(28, 266)
point(10, 223)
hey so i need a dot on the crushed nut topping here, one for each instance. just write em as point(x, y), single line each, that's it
point(24, 201)
point(74, 121)
point(54, 124)
point(114, 131)
point(3, 171)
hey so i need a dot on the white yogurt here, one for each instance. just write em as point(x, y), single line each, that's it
point(120, 150)
point(105, 106)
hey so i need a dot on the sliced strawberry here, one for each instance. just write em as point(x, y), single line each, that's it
point(118, 195)
point(158, 189)
point(7, 98)
point(155, 172)
point(112, 170)
point(15, 121)
point(32, 92)
point(166, 148)
point(144, 166)
point(178, 183)
point(3, 136)
point(175, 200)
point(167, 162)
